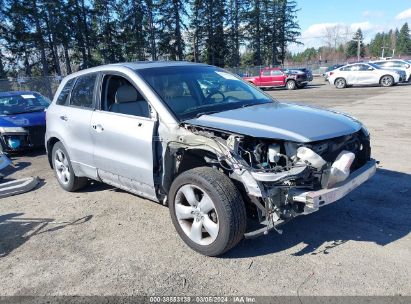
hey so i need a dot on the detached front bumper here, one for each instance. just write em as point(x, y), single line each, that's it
point(313, 200)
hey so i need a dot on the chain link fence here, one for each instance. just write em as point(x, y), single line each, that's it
point(317, 68)
point(46, 86)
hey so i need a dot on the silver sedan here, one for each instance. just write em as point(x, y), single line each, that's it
point(365, 74)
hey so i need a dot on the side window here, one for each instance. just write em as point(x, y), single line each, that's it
point(65, 92)
point(346, 69)
point(398, 64)
point(266, 73)
point(118, 95)
point(276, 73)
point(363, 67)
point(386, 64)
point(83, 91)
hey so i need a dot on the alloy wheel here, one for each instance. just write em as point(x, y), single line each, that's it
point(62, 167)
point(196, 214)
point(387, 81)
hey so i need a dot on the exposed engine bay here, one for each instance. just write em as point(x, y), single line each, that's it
point(274, 174)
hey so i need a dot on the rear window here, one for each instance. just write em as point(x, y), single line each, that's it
point(65, 92)
point(82, 94)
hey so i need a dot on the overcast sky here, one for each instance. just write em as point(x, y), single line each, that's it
point(371, 16)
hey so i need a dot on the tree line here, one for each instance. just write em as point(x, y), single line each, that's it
point(394, 43)
point(57, 37)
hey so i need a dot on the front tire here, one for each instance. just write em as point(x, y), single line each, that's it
point(387, 81)
point(207, 211)
point(64, 171)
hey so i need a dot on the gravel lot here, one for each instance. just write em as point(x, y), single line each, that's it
point(103, 241)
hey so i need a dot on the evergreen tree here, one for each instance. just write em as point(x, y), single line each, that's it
point(106, 27)
point(404, 41)
point(171, 14)
point(3, 30)
point(235, 36)
point(133, 23)
point(352, 47)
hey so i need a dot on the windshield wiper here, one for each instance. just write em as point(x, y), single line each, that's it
point(205, 113)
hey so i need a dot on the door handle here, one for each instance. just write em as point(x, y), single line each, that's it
point(63, 117)
point(98, 128)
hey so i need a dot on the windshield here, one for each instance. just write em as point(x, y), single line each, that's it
point(23, 103)
point(191, 91)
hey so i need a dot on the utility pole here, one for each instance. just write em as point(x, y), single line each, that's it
point(358, 48)
point(383, 51)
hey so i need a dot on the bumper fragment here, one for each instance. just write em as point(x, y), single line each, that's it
point(313, 200)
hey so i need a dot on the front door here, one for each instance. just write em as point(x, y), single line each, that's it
point(123, 137)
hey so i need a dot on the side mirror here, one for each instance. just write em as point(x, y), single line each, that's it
point(370, 69)
point(407, 66)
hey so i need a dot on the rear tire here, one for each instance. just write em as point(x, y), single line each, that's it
point(340, 83)
point(387, 81)
point(207, 211)
point(64, 171)
point(291, 85)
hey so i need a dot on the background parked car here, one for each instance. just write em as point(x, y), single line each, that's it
point(395, 64)
point(306, 71)
point(277, 77)
point(22, 120)
point(364, 74)
point(329, 69)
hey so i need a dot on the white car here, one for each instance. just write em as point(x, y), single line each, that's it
point(364, 74)
point(395, 64)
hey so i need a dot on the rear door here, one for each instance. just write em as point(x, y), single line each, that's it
point(122, 131)
point(354, 74)
point(72, 116)
point(266, 78)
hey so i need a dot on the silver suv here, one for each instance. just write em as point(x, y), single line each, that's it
point(217, 150)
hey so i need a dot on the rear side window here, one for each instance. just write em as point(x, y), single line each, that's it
point(399, 64)
point(65, 92)
point(276, 73)
point(83, 91)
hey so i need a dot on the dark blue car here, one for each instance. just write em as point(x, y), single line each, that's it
point(22, 120)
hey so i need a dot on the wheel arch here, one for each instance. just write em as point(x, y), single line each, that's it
point(49, 146)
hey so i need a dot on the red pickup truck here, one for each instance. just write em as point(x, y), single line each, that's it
point(277, 77)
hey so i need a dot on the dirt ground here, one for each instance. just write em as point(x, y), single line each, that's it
point(102, 241)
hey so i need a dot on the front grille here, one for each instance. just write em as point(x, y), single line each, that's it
point(36, 135)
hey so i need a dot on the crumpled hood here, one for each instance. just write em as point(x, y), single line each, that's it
point(281, 121)
point(23, 120)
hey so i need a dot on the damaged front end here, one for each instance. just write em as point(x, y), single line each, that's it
point(281, 179)
point(20, 138)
